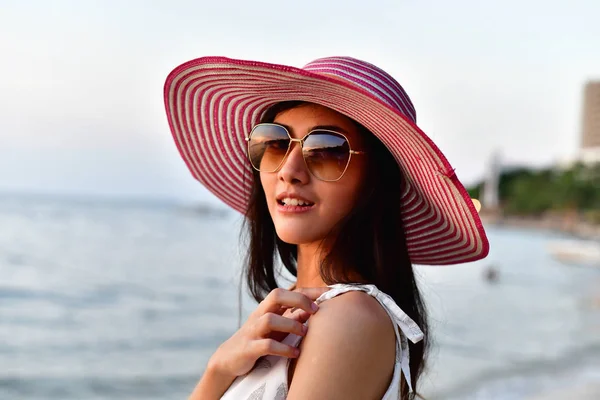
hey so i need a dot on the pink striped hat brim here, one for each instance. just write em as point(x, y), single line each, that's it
point(213, 102)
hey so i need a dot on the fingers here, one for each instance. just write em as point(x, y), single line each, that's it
point(298, 315)
point(270, 322)
point(284, 298)
point(273, 347)
point(313, 293)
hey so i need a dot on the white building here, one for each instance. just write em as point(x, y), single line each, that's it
point(590, 127)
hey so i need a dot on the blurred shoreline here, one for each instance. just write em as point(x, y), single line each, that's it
point(568, 224)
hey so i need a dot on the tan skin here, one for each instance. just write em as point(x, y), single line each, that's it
point(348, 349)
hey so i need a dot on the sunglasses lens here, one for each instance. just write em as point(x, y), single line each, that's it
point(326, 154)
point(267, 147)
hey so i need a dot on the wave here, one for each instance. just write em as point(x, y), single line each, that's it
point(522, 379)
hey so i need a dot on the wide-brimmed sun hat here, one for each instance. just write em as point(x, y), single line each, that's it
point(212, 103)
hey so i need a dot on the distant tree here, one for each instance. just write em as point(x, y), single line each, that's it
point(526, 191)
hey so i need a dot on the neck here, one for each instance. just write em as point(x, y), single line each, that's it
point(309, 259)
point(308, 267)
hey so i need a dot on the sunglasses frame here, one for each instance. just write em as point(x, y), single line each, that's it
point(301, 141)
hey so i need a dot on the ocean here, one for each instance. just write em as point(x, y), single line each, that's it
point(127, 300)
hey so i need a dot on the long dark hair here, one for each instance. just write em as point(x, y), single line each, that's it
point(372, 246)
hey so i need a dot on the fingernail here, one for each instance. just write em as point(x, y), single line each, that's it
point(314, 306)
point(304, 329)
point(296, 352)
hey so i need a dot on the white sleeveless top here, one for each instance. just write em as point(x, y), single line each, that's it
point(268, 378)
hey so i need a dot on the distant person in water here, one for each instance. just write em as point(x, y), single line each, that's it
point(338, 183)
point(491, 274)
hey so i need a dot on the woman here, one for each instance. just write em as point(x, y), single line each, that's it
point(337, 182)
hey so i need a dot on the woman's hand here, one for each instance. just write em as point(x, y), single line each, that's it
point(280, 313)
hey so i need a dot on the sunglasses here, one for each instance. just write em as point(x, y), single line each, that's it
point(326, 153)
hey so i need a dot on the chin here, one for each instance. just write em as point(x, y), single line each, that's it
point(298, 236)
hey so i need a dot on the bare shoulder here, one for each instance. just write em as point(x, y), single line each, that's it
point(348, 352)
point(353, 309)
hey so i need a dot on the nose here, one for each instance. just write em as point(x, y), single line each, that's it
point(294, 168)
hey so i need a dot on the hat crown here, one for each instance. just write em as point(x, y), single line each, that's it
point(368, 77)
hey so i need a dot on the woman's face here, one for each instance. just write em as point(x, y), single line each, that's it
point(330, 201)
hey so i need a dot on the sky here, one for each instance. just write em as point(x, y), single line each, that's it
point(81, 106)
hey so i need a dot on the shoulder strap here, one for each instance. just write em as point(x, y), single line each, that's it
point(409, 328)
